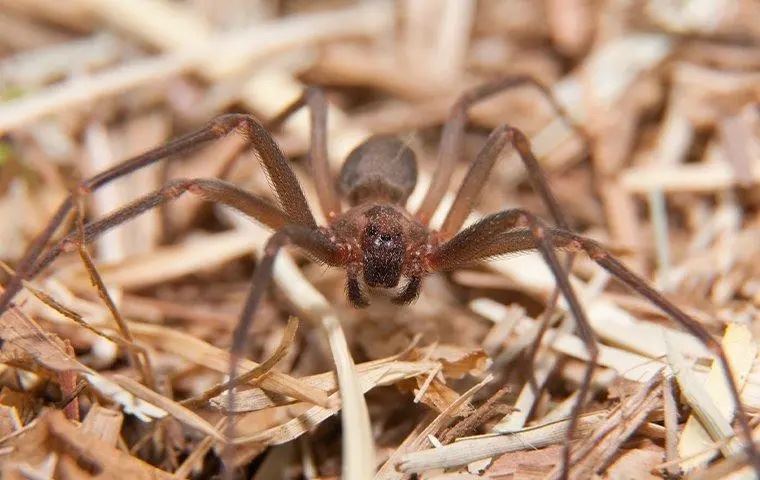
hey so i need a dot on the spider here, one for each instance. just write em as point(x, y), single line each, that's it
point(377, 241)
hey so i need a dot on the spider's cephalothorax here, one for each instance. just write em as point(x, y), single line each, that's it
point(377, 179)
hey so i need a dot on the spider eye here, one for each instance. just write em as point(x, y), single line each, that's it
point(384, 240)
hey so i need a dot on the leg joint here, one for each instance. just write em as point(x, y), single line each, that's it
point(240, 122)
point(518, 139)
point(83, 189)
point(175, 188)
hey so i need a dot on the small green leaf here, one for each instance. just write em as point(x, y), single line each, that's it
point(11, 92)
point(5, 153)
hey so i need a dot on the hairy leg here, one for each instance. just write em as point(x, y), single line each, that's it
point(469, 192)
point(577, 243)
point(209, 189)
point(284, 180)
point(500, 234)
point(465, 246)
point(450, 148)
point(471, 187)
point(314, 241)
point(314, 99)
point(477, 175)
point(138, 359)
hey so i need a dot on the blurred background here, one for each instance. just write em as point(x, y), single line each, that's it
point(666, 92)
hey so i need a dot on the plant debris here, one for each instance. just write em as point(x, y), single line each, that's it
point(115, 359)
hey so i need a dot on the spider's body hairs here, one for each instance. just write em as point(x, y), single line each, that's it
point(377, 241)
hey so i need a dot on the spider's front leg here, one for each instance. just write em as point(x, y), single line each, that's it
point(500, 234)
point(472, 185)
point(470, 244)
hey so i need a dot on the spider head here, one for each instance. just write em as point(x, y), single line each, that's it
point(383, 248)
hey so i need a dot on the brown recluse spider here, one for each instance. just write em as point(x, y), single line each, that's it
point(376, 240)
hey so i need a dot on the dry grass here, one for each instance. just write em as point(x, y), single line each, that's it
point(130, 384)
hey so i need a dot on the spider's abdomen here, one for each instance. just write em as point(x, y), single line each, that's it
point(381, 169)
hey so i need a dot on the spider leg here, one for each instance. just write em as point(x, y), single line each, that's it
point(607, 261)
point(285, 182)
point(354, 292)
point(312, 240)
point(465, 247)
point(209, 189)
point(138, 359)
point(471, 187)
point(410, 292)
point(450, 148)
point(314, 99)
point(499, 234)
point(574, 242)
point(477, 175)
